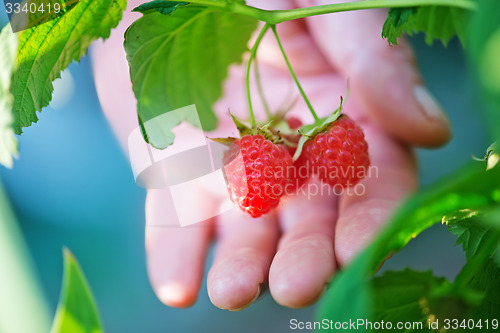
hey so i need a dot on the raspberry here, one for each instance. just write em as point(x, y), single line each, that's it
point(293, 122)
point(258, 173)
point(338, 156)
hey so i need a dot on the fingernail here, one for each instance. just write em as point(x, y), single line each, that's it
point(428, 103)
point(249, 303)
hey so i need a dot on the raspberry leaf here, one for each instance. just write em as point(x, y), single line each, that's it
point(410, 296)
point(472, 188)
point(480, 237)
point(486, 279)
point(182, 59)
point(437, 22)
point(470, 231)
point(8, 142)
point(310, 131)
point(44, 51)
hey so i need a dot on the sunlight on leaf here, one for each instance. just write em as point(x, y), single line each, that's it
point(46, 50)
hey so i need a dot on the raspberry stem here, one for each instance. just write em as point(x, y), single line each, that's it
point(253, 52)
point(279, 16)
point(304, 96)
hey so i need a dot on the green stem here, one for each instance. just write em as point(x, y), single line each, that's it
point(261, 90)
point(316, 118)
point(253, 51)
point(278, 16)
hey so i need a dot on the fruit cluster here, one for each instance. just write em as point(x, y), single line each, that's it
point(259, 172)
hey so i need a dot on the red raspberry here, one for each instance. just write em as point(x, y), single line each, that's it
point(293, 122)
point(258, 173)
point(339, 155)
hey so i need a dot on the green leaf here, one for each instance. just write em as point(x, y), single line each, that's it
point(418, 297)
point(437, 22)
point(480, 237)
point(473, 188)
point(182, 59)
point(493, 221)
point(484, 51)
point(487, 280)
point(46, 50)
point(470, 233)
point(76, 311)
point(161, 6)
point(483, 274)
point(8, 142)
point(403, 295)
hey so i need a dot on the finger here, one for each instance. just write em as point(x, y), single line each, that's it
point(383, 78)
point(305, 259)
point(245, 249)
point(175, 255)
point(366, 209)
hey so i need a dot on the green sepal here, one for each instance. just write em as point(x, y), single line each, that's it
point(242, 128)
point(264, 130)
point(225, 141)
point(310, 131)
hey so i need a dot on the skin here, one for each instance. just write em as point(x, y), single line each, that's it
point(296, 249)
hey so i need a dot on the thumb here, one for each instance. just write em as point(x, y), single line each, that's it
point(384, 80)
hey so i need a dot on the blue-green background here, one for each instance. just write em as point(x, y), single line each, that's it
point(72, 186)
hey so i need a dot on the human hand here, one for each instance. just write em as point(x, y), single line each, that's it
point(298, 247)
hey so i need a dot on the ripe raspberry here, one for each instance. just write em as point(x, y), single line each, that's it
point(339, 155)
point(258, 173)
point(293, 122)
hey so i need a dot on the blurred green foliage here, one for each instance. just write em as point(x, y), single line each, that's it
point(77, 311)
point(23, 308)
